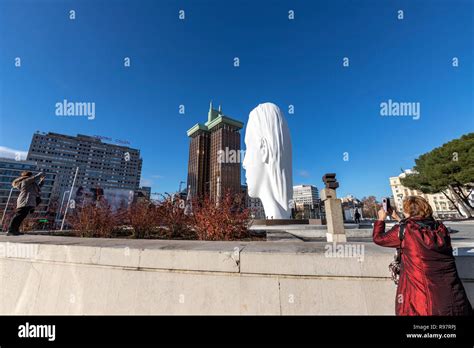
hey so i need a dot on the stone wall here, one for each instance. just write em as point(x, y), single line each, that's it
point(67, 275)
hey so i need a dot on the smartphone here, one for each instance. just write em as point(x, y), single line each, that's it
point(386, 205)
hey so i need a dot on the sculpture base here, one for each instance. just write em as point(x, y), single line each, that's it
point(336, 237)
point(275, 222)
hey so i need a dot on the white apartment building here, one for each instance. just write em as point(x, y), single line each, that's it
point(442, 207)
point(104, 165)
point(305, 195)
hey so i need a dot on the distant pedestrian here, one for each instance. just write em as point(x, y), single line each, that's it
point(28, 200)
point(357, 216)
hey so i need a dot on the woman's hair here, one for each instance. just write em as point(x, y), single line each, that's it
point(269, 123)
point(417, 206)
point(26, 173)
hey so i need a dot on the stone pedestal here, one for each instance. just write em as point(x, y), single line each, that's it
point(335, 221)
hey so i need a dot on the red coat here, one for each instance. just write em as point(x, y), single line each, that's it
point(429, 283)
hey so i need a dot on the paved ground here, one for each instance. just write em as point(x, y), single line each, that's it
point(462, 233)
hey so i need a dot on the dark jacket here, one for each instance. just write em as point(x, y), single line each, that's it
point(429, 283)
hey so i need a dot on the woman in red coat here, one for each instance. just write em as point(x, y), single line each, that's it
point(429, 283)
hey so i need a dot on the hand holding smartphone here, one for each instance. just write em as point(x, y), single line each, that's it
point(386, 206)
point(389, 210)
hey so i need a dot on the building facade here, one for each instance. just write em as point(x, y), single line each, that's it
point(11, 169)
point(210, 171)
point(253, 204)
point(101, 165)
point(351, 205)
point(305, 195)
point(145, 190)
point(198, 165)
point(306, 202)
point(442, 207)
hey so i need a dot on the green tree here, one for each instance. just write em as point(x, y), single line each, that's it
point(447, 169)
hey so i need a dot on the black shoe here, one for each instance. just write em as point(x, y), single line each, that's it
point(14, 234)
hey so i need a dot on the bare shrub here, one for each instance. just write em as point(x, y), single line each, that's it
point(227, 220)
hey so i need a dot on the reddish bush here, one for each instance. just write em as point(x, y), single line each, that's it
point(174, 223)
point(160, 219)
point(6, 220)
point(228, 220)
point(142, 216)
point(32, 222)
point(94, 220)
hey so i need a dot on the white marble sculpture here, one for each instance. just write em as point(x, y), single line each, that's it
point(268, 160)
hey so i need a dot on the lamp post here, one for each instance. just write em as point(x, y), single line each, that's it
point(6, 206)
point(58, 214)
point(69, 199)
point(320, 211)
point(218, 191)
point(188, 209)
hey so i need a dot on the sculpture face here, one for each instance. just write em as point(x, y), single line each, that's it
point(267, 161)
point(253, 163)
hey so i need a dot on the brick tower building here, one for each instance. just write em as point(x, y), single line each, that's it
point(210, 172)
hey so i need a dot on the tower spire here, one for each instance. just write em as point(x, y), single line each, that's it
point(209, 114)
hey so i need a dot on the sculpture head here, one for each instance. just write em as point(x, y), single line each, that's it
point(268, 160)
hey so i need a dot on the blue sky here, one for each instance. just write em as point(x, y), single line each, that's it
point(297, 62)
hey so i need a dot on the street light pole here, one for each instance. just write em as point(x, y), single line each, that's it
point(69, 199)
point(6, 206)
point(58, 214)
